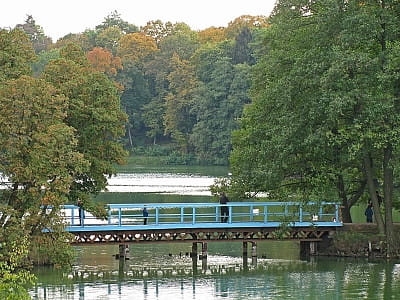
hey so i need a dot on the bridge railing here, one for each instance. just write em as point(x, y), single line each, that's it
point(195, 213)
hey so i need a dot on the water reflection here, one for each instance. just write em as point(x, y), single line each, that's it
point(165, 271)
point(154, 272)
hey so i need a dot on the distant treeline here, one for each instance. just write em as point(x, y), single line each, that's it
point(183, 90)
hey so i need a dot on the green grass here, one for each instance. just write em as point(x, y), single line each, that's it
point(357, 214)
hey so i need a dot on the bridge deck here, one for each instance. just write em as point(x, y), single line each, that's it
point(203, 221)
point(150, 227)
point(205, 215)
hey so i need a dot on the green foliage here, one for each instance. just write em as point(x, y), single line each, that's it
point(59, 139)
point(356, 243)
point(14, 246)
point(178, 118)
point(179, 158)
point(40, 42)
point(52, 249)
point(221, 185)
point(114, 20)
point(218, 103)
point(284, 229)
point(324, 121)
point(313, 84)
point(16, 54)
point(94, 112)
point(43, 59)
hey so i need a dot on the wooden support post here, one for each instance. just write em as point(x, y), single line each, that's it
point(308, 248)
point(313, 248)
point(245, 256)
point(204, 254)
point(193, 254)
point(304, 249)
point(123, 251)
point(254, 253)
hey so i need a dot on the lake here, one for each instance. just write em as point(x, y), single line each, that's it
point(166, 271)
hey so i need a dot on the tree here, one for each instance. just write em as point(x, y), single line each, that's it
point(16, 54)
point(39, 159)
point(366, 57)
point(236, 26)
point(103, 61)
point(153, 113)
point(178, 119)
point(94, 112)
point(212, 35)
point(58, 142)
point(322, 93)
point(182, 40)
point(14, 249)
point(135, 47)
point(43, 59)
point(157, 30)
point(241, 51)
point(36, 35)
point(108, 38)
point(217, 102)
point(85, 40)
point(114, 20)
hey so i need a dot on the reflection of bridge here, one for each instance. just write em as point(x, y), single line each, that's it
point(200, 223)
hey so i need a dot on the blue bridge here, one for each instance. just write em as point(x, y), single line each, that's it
point(202, 222)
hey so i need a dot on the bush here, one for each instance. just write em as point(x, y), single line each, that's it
point(352, 243)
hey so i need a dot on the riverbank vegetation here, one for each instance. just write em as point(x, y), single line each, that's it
point(324, 119)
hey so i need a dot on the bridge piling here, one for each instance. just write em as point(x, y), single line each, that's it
point(245, 257)
point(123, 250)
point(204, 254)
point(308, 248)
point(254, 253)
point(193, 254)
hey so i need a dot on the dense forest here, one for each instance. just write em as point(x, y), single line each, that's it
point(183, 90)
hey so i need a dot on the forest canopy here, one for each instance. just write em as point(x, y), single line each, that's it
point(182, 90)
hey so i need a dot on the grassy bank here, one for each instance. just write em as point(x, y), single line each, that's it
point(160, 164)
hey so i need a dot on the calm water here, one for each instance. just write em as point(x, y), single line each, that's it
point(167, 271)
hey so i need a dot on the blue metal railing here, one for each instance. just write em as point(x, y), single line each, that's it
point(196, 213)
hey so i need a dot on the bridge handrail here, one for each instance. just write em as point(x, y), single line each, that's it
point(179, 213)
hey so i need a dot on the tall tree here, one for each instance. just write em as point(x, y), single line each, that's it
point(94, 111)
point(178, 119)
point(218, 102)
point(39, 158)
point(157, 29)
point(102, 60)
point(36, 34)
point(16, 54)
point(114, 20)
point(322, 94)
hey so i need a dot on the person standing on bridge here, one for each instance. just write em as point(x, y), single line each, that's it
point(223, 200)
point(145, 215)
point(81, 212)
point(369, 213)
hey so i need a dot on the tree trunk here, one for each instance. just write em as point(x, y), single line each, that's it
point(372, 191)
point(392, 243)
point(130, 138)
point(345, 209)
